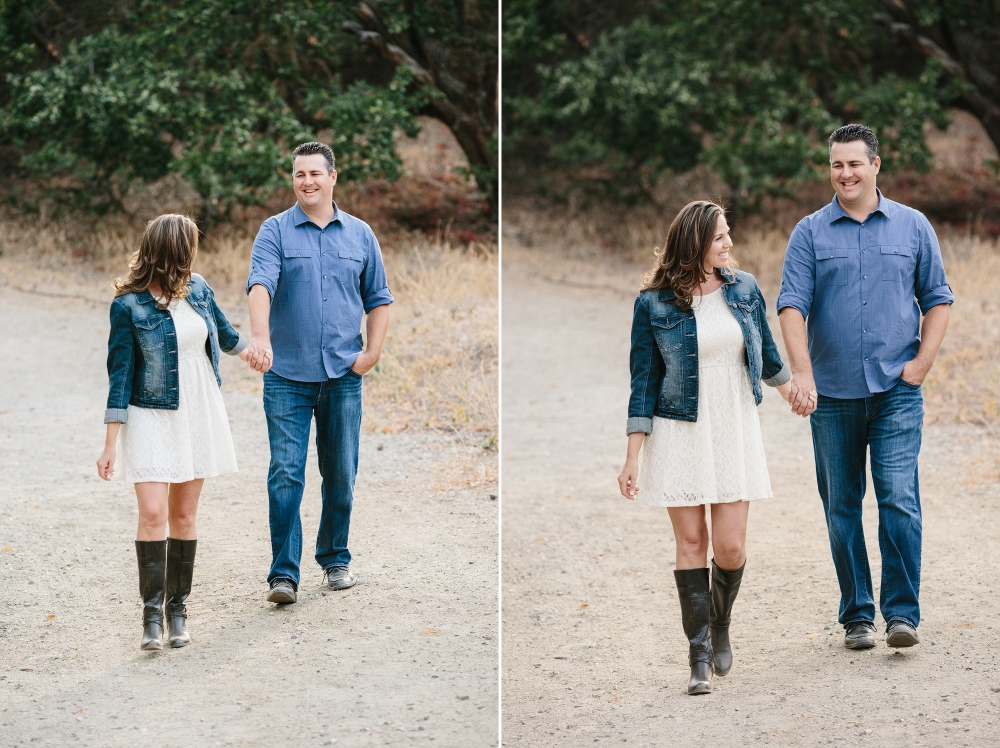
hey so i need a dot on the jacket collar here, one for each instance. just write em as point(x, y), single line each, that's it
point(667, 294)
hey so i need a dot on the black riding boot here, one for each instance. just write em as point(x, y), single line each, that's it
point(180, 571)
point(151, 555)
point(692, 589)
point(725, 588)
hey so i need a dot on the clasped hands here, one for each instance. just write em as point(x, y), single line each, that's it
point(259, 355)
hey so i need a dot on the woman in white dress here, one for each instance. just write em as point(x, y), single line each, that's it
point(166, 421)
point(701, 347)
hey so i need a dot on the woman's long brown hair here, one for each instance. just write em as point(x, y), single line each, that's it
point(680, 264)
point(166, 253)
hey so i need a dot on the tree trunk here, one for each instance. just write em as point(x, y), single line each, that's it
point(958, 54)
point(456, 103)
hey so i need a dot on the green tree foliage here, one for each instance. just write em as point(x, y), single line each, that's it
point(751, 88)
point(218, 91)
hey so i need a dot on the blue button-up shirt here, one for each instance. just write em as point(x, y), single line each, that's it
point(862, 286)
point(321, 281)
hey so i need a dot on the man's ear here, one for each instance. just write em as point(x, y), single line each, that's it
point(333, 175)
point(876, 164)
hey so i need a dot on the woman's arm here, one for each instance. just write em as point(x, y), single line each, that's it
point(774, 373)
point(627, 479)
point(106, 462)
point(231, 340)
point(121, 363)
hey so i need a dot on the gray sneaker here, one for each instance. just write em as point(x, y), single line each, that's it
point(901, 634)
point(282, 592)
point(339, 578)
point(860, 635)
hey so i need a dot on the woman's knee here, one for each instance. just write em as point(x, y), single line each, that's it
point(729, 552)
point(152, 518)
point(692, 540)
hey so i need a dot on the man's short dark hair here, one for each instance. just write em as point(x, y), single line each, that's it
point(850, 133)
point(311, 149)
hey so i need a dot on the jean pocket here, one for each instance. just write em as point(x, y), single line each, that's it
point(909, 385)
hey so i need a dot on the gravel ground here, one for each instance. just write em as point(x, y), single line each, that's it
point(593, 649)
point(407, 657)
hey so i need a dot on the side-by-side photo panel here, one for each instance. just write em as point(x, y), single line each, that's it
point(750, 458)
point(249, 421)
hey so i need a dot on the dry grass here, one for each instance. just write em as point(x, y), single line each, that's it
point(439, 364)
point(963, 386)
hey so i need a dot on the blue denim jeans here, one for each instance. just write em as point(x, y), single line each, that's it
point(290, 407)
point(888, 424)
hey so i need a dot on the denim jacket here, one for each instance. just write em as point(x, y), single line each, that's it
point(142, 349)
point(664, 356)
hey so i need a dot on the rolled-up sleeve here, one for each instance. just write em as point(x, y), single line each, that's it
point(374, 286)
point(265, 258)
point(647, 370)
point(798, 274)
point(121, 363)
point(931, 283)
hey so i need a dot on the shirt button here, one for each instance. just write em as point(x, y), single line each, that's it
point(863, 276)
point(866, 358)
point(864, 250)
point(866, 331)
point(863, 303)
point(324, 299)
point(324, 325)
point(325, 277)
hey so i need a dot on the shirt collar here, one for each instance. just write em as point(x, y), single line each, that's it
point(884, 207)
point(299, 216)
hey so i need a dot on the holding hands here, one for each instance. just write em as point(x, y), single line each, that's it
point(258, 354)
point(800, 393)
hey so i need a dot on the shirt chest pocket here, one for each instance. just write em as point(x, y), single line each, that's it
point(898, 263)
point(298, 265)
point(347, 265)
point(833, 266)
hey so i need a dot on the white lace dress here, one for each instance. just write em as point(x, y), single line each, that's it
point(194, 441)
point(720, 457)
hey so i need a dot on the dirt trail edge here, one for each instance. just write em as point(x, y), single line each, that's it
point(407, 657)
point(594, 653)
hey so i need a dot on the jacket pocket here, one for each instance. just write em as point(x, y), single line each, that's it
point(832, 266)
point(151, 334)
point(669, 335)
point(298, 265)
point(898, 262)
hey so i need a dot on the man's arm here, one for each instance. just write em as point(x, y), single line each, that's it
point(793, 330)
point(259, 354)
point(932, 332)
point(376, 327)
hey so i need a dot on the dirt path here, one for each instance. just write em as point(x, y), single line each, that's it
point(408, 657)
point(593, 650)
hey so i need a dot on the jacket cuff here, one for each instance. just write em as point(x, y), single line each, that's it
point(240, 346)
point(780, 378)
point(639, 423)
point(116, 415)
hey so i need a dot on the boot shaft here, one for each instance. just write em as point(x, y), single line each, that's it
point(151, 556)
point(693, 593)
point(725, 588)
point(180, 570)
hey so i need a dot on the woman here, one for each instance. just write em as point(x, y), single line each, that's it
point(165, 412)
point(701, 346)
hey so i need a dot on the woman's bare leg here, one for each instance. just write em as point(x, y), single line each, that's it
point(729, 534)
point(690, 536)
point(152, 499)
point(184, 508)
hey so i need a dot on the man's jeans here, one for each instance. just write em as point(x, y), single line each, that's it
point(889, 423)
point(289, 407)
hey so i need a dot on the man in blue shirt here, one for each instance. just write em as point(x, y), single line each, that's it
point(861, 271)
point(314, 271)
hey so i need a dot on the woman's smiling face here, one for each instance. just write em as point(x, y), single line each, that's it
point(717, 254)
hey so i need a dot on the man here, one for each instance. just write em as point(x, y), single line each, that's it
point(313, 271)
point(861, 271)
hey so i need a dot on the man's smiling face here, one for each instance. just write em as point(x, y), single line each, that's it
point(852, 174)
point(312, 183)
